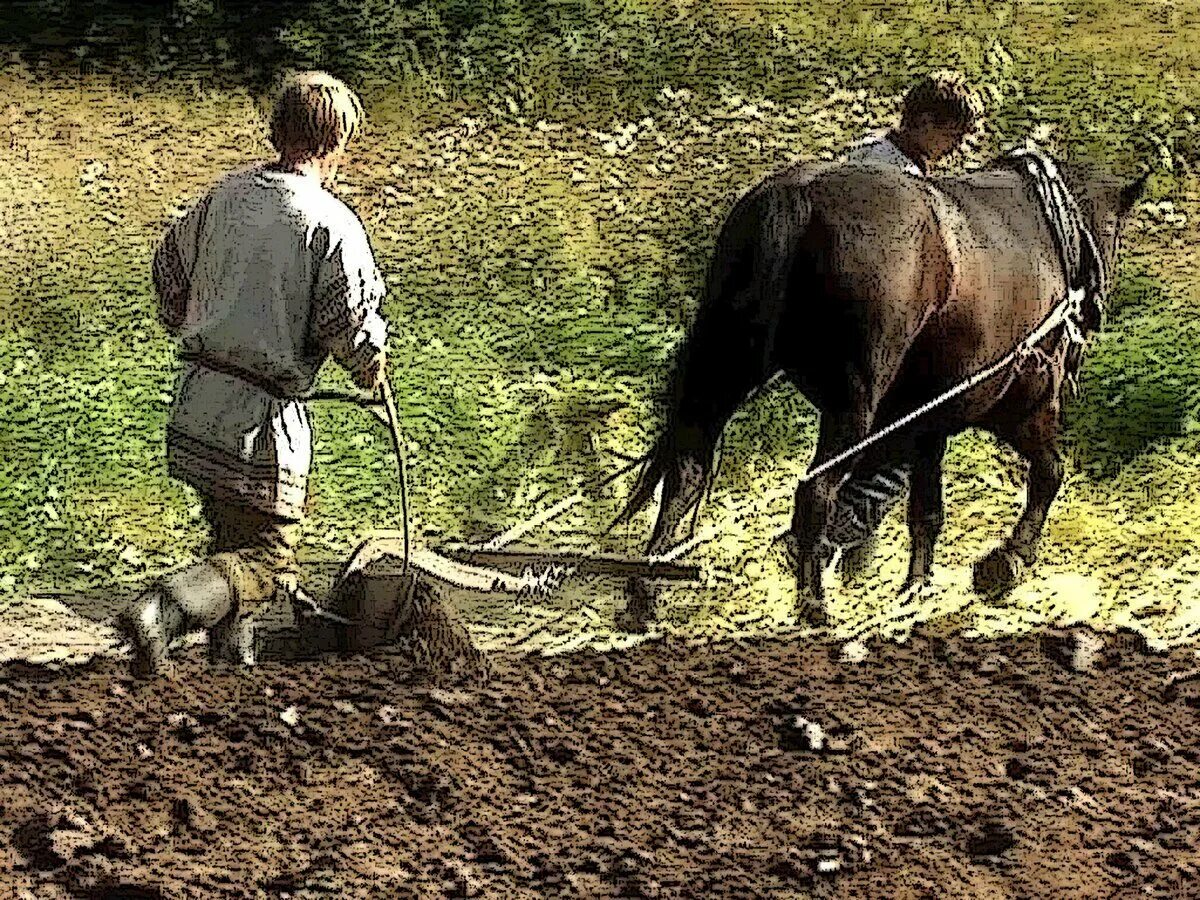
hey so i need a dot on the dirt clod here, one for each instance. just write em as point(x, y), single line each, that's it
point(1077, 649)
point(853, 652)
point(798, 733)
point(188, 812)
point(992, 839)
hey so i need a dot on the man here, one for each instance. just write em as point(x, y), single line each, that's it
point(263, 280)
point(937, 114)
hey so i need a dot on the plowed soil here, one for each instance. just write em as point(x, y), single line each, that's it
point(944, 768)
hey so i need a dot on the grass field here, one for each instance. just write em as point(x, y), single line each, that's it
point(541, 273)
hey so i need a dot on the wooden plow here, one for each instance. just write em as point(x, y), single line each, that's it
point(389, 593)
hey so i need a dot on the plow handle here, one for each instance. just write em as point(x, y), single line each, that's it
point(393, 423)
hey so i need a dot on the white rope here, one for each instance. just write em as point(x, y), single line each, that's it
point(1057, 317)
point(703, 537)
point(527, 525)
point(504, 538)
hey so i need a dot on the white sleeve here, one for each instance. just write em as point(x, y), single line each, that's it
point(174, 263)
point(347, 316)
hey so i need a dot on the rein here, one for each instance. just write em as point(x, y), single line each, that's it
point(1067, 313)
point(1060, 315)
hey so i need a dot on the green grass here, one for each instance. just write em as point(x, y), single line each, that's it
point(541, 273)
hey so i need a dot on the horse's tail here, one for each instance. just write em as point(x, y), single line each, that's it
point(662, 460)
point(729, 352)
point(661, 455)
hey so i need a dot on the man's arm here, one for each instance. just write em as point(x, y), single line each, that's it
point(173, 264)
point(347, 318)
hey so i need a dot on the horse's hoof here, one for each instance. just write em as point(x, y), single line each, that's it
point(810, 606)
point(998, 573)
point(641, 607)
point(813, 614)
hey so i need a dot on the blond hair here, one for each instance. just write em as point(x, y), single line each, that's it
point(315, 114)
point(942, 98)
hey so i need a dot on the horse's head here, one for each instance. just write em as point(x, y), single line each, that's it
point(1106, 203)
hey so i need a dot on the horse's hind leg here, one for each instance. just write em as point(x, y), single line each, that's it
point(877, 482)
point(856, 560)
point(682, 489)
point(859, 507)
point(1038, 441)
point(807, 545)
point(925, 507)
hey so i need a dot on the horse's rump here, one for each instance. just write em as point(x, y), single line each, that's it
point(968, 270)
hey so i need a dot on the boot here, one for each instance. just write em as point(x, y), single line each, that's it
point(150, 623)
point(197, 597)
point(230, 641)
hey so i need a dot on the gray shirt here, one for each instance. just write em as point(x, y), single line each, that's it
point(261, 282)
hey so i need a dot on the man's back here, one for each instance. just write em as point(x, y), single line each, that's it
point(263, 241)
point(279, 274)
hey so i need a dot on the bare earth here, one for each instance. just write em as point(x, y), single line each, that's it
point(946, 768)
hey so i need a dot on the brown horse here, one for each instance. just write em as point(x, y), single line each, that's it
point(874, 291)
